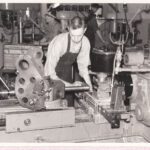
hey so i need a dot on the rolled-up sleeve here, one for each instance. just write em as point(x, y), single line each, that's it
point(83, 58)
point(52, 58)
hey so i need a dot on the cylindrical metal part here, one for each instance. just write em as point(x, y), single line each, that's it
point(133, 70)
point(20, 30)
point(114, 26)
point(7, 93)
point(135, 58)
point(1, 54)
point(33, 32)
point(77, 88)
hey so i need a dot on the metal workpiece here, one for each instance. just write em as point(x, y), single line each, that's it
point(143, 68)
point(134, 58)
point(81, 88)
point(33, 90)
point(5, 92)
point(29, 84)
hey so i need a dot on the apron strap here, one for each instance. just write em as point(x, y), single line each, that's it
point(69, 41)
point(80, 48)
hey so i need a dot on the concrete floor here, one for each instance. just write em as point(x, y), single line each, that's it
point(133, 139)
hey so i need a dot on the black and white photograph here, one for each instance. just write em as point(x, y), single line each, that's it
point(74, 72)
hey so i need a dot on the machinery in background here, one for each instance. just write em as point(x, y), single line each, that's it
point(29, 26)
point(120, 81)
point(21, 26)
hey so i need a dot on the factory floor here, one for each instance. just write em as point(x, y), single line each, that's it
point(123, 139)
point(133, 139)
point(84, 131)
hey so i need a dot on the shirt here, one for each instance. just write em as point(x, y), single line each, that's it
point(58, 47)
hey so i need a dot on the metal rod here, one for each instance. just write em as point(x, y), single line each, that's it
point(114, 7)
point(77, 88)
point(37, 25)
point(4, 84)
point(20, 30)
point(7, 92)
point(133, 70)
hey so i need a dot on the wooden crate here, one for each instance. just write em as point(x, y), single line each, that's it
point(12, 52)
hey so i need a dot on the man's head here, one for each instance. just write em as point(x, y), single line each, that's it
point(94, 7)
point(97, 9)
point(77, 29)
point(49, 17)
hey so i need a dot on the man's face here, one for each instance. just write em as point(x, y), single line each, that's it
point(49, 19)
point(77, 34)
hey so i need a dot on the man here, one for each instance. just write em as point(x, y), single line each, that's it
point(92, 24)
point(51, 26)
point(65, 49)
point(98, 29)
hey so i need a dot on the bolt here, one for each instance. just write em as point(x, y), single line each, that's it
point(32, 101)
point(27, 122)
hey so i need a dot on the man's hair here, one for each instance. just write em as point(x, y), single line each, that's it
point(77, 22)
point(95, 5)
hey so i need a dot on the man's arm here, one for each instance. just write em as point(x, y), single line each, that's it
point(55, 51)
point(83, 61)
point(100, 36)
point(98, 32)
point(52, 58)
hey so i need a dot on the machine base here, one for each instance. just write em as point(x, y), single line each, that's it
point(82, 130)
point(23, 121)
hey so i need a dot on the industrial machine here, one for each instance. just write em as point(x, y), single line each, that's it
point(36, 92)
point(118, 107)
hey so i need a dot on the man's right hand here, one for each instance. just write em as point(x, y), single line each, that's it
point(67, 84)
